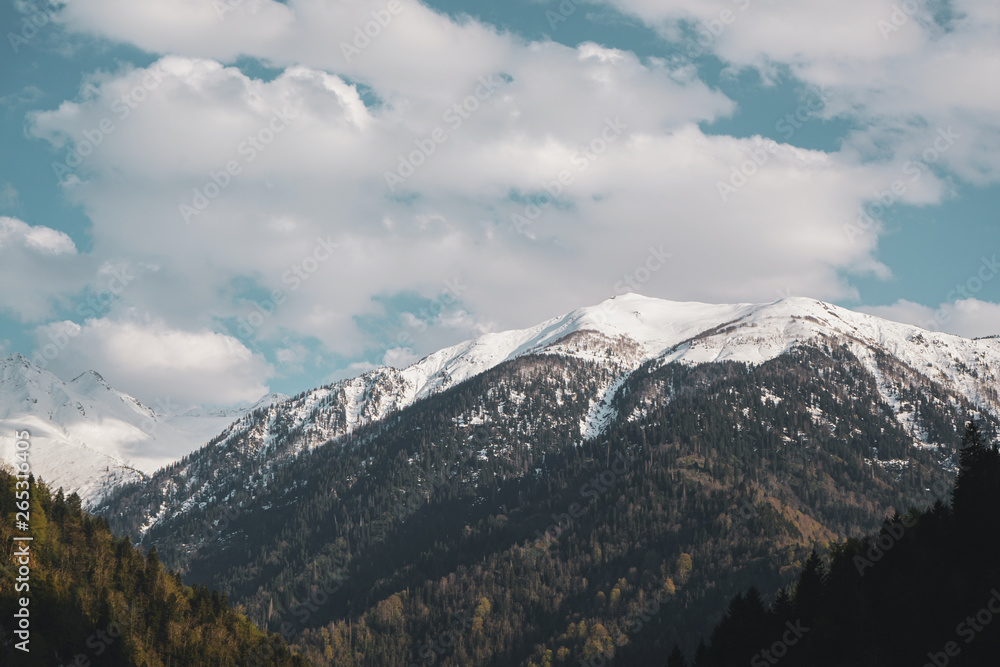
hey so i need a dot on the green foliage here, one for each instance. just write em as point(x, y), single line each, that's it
point(94, 599)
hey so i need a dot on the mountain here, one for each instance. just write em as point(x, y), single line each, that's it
point(566, 475)
point(89, 437)
point(620, 335)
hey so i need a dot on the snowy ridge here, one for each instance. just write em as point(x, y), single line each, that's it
point(622, 333)
point(619, 334)
point(640, 328)
point(965, 367)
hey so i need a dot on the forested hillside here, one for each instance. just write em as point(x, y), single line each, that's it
point(96, 600)
point(477, 527)
point(922, 591)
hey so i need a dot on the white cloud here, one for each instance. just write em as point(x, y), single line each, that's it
point(399, 357)
point(307, 215)
point(152, 361)
point(49, 241)
point(966, 317)
point(900, 75)
point(43, 240)
point(42, 262)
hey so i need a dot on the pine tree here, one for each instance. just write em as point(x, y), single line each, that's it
point(701, 658)
point(976, 497)
point(783, 607)
point(810, 589)
point(676, 658)
point(973, 458)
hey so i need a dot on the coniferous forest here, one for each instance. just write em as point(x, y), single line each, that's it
point(97, 600)
point(517, 333)
point(924, 591)
point(476, 529)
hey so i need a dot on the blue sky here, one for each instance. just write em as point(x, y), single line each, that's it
point(362, 193)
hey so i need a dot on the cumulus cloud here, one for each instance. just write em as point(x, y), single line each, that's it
point(152, 361)
point(971, 318)
point(42, 262)
point(900, 73)
point(313, 210)
point(437, 153)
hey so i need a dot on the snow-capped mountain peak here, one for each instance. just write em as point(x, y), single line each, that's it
point(116, 432)
point(615, 338)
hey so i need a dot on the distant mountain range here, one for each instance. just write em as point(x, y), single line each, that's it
point(89, 437)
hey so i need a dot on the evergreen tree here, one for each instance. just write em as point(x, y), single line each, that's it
point(810, 589)
point(922, 574)
point(676, 658)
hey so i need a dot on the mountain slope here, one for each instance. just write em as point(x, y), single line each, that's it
point(618, 335)
point(742, 428)
point(719, 461)
point(909, 595)
point(89, 598)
